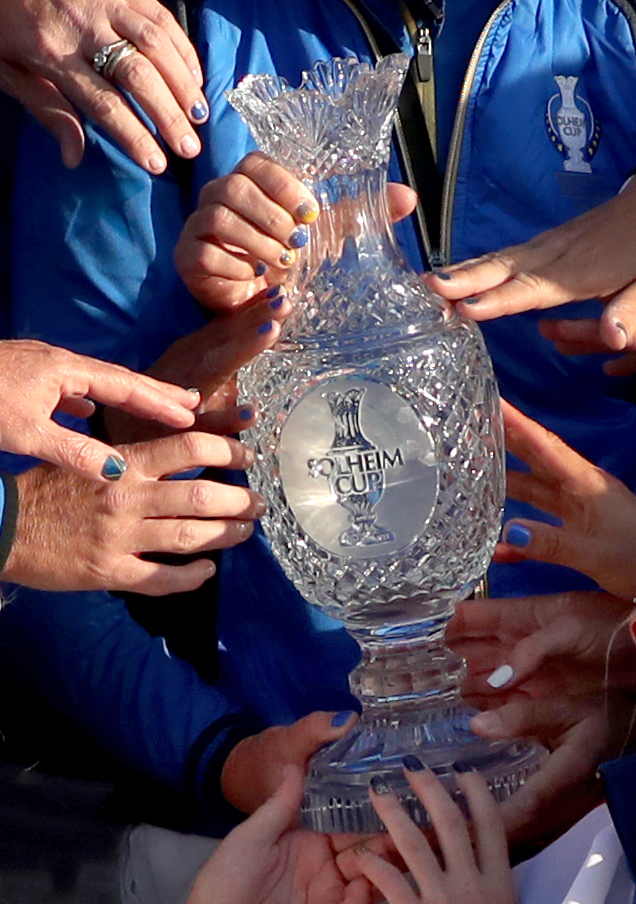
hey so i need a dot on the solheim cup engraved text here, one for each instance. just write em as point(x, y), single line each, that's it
point(358, 468)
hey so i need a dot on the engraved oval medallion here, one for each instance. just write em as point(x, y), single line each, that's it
point(358, 468)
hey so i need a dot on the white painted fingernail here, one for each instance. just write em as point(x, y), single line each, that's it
point(501, 676)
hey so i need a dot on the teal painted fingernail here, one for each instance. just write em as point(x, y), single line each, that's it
point(379, 785)
point(443, 275)
point(114, 468)
point(341, 718)
point(518, 535)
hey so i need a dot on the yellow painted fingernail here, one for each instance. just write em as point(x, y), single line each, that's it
point(307, 212)
point(287, 257)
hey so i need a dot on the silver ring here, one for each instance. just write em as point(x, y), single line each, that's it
point(107, 57)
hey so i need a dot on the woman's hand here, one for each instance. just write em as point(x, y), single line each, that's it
point(38, 379)
point(46, 53)
point(245, 232)
point(468, 876)
point(598, 512)
point(591, 256)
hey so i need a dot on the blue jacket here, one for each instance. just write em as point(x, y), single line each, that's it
point(92, 265)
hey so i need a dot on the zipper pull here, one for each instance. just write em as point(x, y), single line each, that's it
point(424, 54)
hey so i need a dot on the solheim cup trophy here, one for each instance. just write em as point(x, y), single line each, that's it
point(379, 448)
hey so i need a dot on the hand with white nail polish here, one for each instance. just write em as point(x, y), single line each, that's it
point(473, 872)
point(249, 229)
point(46, 53)
point(597, 534)
point(591, 256)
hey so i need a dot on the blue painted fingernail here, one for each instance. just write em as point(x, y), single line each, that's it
point(412, 763)
point(265, 327)
point(260, 269)
point(277, 302)
point(379, 785)
point(247, 413)
point(114, 468)
point(472, 299)
point(299, 237)
point(199, 110)
point(273, 291)
point(341, 718)
point(462, 766)
point(443, 275)
point(518, 535)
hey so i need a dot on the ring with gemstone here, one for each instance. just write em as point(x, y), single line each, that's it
point(107, 57)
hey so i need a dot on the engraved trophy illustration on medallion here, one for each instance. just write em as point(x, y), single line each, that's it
point(379, 448)
point(355, 471)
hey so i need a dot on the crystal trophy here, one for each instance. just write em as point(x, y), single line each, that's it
point(379, 448)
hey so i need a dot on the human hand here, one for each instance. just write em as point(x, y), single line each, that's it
point(480, 876)
point(209, 359)
point(254, 768)
point(46, 52)
point(266, 860)
point(571, 642)
point(39, 379)
point(73, 534)
point(246, 229)
point(591, 256)
point(598, 512)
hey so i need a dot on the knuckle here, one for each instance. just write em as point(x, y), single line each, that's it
point(237, 186)
point(202, 497)
point(152, 35)
point(194, 445)
point(186, 537)
point(135, 70)
point(104, 104)
point(115, 500)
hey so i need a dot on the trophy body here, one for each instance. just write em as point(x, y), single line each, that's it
point(379, 448)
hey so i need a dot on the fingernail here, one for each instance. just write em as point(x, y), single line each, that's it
point(360, 849)
point(189, 146)
point(273, 291)
point(287, 257)
point(264, 328)
point(157, 163)
point(261, 507)
point(260, 269)
point(518, 535)
point(501, 676)
point(114, 468)
point(489, 723)
point(245, 529)
point(194, 389)
point(277, 302)
point(379, 785)
point(250, 457)
point(299, 237)
point(199, 110)
point(211, 568)
point(307, 212)
point(412, 763)
point(341, 718)
point(462, 766)
point(621, 327)
point(442, 274)
point(472, 299)
point(246, 413)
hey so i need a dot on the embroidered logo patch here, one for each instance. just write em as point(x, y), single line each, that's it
point(572, 127)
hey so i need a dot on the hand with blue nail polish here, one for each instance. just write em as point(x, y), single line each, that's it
point(473, 871)
point(591, 256)
point(38, 380)
point(597, 513)
point(250, 228)
point(45, 54)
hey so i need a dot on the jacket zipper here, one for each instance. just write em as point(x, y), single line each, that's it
point(452, 164)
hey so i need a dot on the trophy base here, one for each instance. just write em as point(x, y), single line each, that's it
point(337, 786)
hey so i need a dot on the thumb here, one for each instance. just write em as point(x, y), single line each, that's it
point(401, 201)
point(312, 732)
point(278, 813)
point(618, 321)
